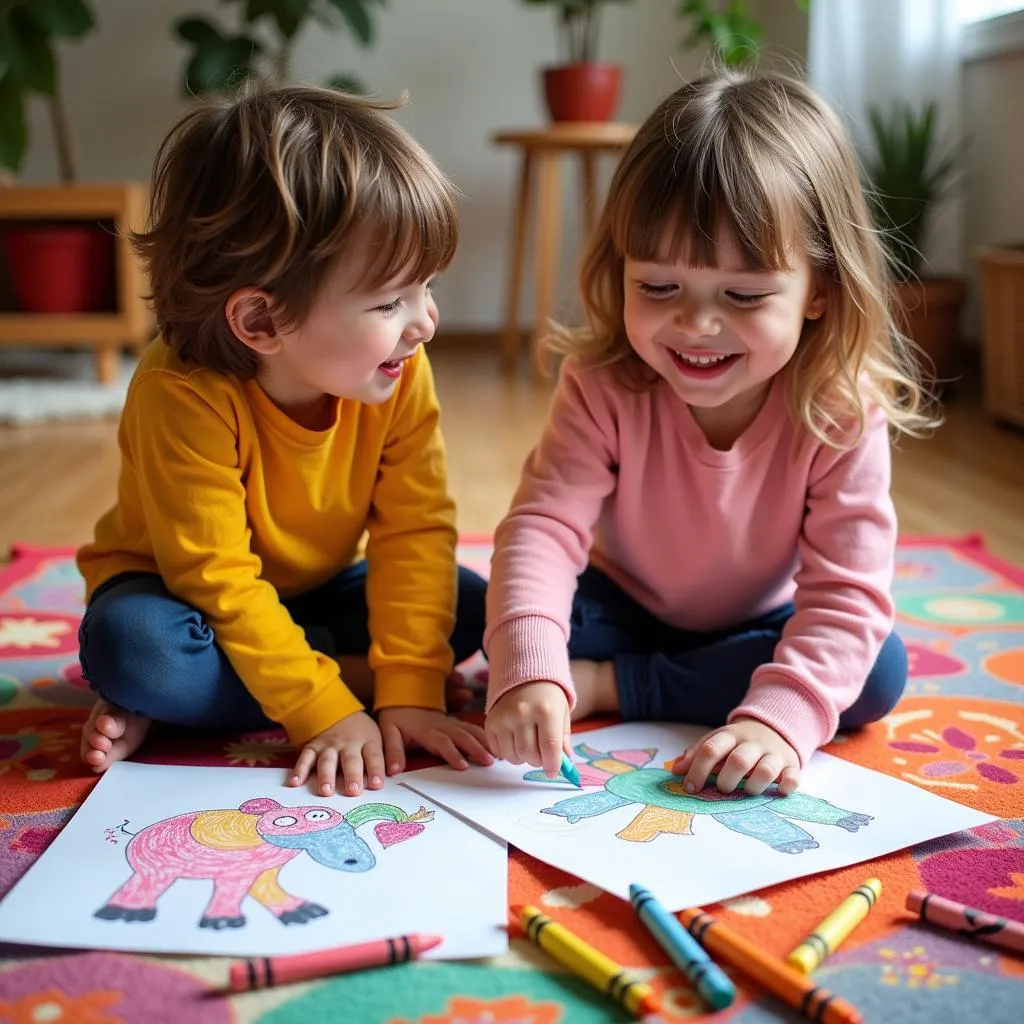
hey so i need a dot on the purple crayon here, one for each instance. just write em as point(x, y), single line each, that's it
point(976, 924)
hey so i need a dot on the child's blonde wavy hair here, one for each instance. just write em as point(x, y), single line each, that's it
point(763, 156)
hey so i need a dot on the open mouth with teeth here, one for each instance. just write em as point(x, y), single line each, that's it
point(392, 368)
point(704, 364)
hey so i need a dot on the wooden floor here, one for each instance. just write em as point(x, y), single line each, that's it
point(56, 479)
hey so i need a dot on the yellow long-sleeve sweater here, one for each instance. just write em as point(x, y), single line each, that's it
point(237, 506)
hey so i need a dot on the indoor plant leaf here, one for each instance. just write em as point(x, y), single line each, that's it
point(195, 30)
point(68, 18)
point(220, 63)
point(33, 61)
point(289, 14)
point(13, 129)
point(357, 17)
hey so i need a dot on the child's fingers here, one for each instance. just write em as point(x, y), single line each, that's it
point(351, 769)
point(711, 751)
point(551, 741)
point(472, 741)
point(394, 748)
point(525, 739)
point(303, 766)
point(443, 745)
point(789, 780)
point(742, 760)
point(765, 772)
point(683, 761)
point(373, 760)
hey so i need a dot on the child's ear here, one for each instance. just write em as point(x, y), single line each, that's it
point(817, 300)
point(249, 316)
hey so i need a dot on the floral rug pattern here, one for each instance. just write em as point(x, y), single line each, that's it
point(959, 731)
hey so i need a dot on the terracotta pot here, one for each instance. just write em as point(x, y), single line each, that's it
point(583, 92)
point(929, 313)
point(61, 268)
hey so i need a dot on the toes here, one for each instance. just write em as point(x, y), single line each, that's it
point(111, 726)
point(95, 759)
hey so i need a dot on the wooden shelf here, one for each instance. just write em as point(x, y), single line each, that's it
point(131, 323)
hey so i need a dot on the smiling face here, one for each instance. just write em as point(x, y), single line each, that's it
point(718, 334)
point(354, 342)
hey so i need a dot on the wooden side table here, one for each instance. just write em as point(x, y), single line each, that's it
point(541, 150)
point(131, 322)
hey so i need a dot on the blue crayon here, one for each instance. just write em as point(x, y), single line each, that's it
point(569, 772)
point(710, 981)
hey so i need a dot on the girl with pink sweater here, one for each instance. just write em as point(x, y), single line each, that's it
point(704, 532)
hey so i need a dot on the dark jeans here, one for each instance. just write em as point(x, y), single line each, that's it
point(669, 674)
point(147, 651)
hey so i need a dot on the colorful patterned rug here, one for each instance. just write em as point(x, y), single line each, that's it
point(958, 732)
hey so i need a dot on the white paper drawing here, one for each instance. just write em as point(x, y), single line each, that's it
point(633, 822)
point(229, 860)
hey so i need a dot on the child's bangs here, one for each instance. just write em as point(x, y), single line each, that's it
point(414, 223)
point(681, 201)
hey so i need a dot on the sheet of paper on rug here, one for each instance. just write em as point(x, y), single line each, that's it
point(632, 821)
point(207, 843)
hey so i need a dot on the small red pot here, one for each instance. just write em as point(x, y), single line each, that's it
point(61, 268)
point(583, 92)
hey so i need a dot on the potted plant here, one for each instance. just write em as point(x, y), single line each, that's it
point(56, 267)
point(730, 30)
point(907, 177)
point(220, 60)
point(581, 89)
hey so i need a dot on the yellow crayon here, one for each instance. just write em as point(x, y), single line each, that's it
point(825, 939)
point(587, 963)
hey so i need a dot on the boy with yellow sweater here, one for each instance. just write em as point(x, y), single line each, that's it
point(286, 410)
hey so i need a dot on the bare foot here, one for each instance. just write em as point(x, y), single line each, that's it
point(111, 734)
point(596, 691)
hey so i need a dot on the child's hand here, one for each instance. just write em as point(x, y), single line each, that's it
point(745, 748)
point(531, 724)
point(434, 731)
point(353, 745)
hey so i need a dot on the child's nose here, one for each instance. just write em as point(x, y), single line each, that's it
point(421, 327)
point(695, 319)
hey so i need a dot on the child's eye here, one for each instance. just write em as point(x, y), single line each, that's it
point(655, 289)
point(389, 308)
point(747, 298)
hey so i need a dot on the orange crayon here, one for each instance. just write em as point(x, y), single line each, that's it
point(279, 970)
point(794, 989)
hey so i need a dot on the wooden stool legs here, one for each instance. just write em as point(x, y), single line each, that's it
point(544, 165)
point(511, 340)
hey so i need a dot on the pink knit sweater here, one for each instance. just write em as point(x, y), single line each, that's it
point(704, 539)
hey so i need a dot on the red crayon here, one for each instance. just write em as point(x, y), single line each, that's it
point(963, 920)
point(279, 970)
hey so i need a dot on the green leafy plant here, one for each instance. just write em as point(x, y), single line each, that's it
point(728, 28)
point(262, 47)
point(578, 24)
point(907, 175)
point(29, 65)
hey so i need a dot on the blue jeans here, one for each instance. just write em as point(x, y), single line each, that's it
point(147, 651)
point(669, 674)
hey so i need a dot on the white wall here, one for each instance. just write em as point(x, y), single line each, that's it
point(469, 65)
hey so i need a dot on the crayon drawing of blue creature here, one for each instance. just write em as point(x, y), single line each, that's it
point(666, 808)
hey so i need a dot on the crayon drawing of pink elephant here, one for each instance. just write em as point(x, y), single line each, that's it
point(241, 851)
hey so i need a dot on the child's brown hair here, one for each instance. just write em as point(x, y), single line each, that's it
point(265, 190)
point(763, 156)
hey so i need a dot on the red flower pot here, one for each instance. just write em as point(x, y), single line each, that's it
point(61, 268)
point(583, 92)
